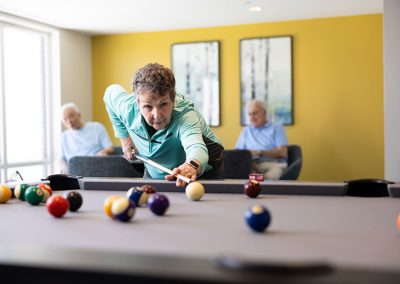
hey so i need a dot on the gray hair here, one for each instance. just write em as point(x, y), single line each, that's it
point(258, 103)
point(69, 105)
point(66, 106)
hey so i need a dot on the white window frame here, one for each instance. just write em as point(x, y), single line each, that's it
point(52, 97)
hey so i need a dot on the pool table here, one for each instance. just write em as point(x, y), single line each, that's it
point(318, 234)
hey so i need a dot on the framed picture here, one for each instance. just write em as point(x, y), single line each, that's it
point(196, 69)
point(266, 74)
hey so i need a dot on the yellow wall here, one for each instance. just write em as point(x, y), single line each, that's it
point(338, 86)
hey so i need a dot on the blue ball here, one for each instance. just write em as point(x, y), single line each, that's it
point(134, 194)
point(158, 203)
point(258, 218)
point(139, 195)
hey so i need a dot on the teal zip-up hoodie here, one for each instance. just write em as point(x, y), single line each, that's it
point(180, 141)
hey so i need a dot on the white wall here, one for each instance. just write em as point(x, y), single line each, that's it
point(391, 47)
point(76, 71)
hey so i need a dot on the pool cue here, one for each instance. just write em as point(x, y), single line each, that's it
point(160, 167)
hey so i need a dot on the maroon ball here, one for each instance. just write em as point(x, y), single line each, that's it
point(149, 188)
point(252, 188)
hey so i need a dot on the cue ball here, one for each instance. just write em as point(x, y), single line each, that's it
point(258, 218)
point(57, 205)
point(194, 191)
point(252, 188)
point(5, 194)
point(75, 200)
point(158, 203)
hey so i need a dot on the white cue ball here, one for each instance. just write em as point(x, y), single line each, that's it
point(194, 191)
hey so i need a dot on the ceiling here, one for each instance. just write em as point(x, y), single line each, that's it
point(126, 16)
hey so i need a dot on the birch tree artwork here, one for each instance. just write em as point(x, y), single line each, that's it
point(266, 74)
point(196, 69)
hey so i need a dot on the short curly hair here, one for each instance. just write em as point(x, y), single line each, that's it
point(156, 79)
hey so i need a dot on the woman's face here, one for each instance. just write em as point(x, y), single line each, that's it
point(156, 110)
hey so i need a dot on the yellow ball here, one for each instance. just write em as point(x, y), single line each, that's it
point(108, 205)
point(5, 194)
point(194, 191)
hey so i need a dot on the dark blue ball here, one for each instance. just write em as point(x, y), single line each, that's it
point(134, 194)
point(258, 218)
point(158, 203)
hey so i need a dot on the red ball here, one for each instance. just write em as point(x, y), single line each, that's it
point(252, 188)
point(57, 205)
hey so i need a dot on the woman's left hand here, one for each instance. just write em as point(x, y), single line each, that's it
point(185, 170)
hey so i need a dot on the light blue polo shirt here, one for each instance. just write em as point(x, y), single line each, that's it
point(266, 137)
point(86, 141)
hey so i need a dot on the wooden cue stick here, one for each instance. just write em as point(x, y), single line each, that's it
point(160, 167)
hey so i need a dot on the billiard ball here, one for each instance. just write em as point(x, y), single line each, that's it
point(34, 195)
point(108, 204)
point(5, 194)
point(19, 191)
point(47, 191)
point(194, 191)
point(398, 222)
point(258, 218)
point(158, 203)
point(75, 200)
point(139, 195)
point(252, 188)
point(57, 205)
point(149, 189)
point(123, 209)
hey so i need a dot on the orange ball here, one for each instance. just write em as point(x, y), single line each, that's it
point(108, 205)
point(398, 222)
point(5, 194)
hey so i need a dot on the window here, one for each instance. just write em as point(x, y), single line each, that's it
point(25, 129)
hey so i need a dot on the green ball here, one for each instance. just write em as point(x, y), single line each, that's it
point(19, 191)
point(34, 195)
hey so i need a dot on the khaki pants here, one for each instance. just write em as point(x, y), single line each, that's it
point(270, 170)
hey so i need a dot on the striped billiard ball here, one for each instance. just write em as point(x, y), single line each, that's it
point(47, 191)
point(19, 191)
point(140, 195)
point(123, 209)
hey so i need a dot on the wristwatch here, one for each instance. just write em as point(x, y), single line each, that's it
point(193, 164)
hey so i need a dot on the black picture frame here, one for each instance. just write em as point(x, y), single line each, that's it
point(196, 66)
point(266, 73)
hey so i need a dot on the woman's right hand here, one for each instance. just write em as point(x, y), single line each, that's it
point(127, 147)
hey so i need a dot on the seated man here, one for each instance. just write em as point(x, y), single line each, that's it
point(81, 139)
point(266, 141)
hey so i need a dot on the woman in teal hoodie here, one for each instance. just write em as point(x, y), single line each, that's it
point(163, 126)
